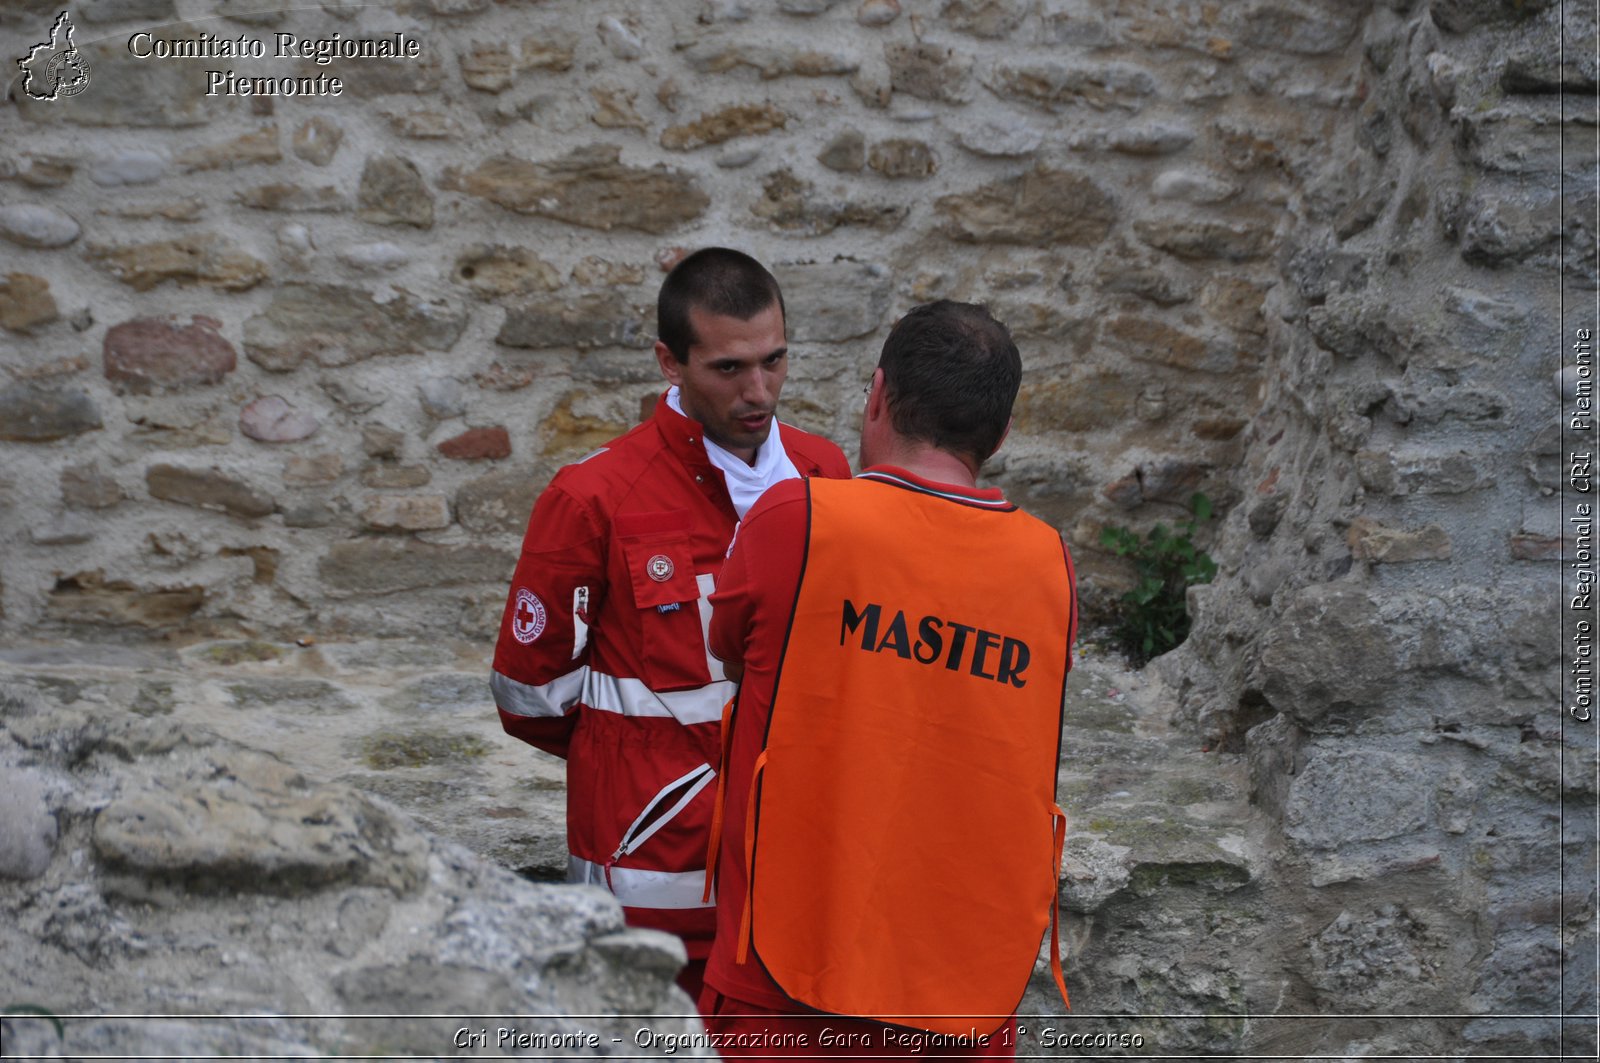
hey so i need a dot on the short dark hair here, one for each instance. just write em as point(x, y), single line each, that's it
point(951, 374)
point(718, 280)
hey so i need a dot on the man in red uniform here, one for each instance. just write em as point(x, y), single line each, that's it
point(601, 657)
point(890, 844)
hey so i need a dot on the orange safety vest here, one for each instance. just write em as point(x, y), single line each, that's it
point(903, 838)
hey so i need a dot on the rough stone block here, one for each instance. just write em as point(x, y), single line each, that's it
point(846, 152)
point(442, 398)
point(1371, 541)
point(1234, 239)
point(33, 413)
point(1148, 140)
point(1083, 401)
point(1328, 651)
point(1461, 16)
point(387, 475)
point(317, 140)
point(1344, 796)
point(1468, 405)
point(1526, 546)
point(1136, 271)
point(27, 826)
point(1417, 471)
point(816, 313)
point(186, 209)
point(877, 12)
point(614, 108)
point(593, 319)
point(902, 157)
point(1389, 956)
point(489, 66)
point(478, 444)
point(1149, 340)
point(256, 148)
point(383, 566)
point(271, 419)
point(593, 271)
point(1041, 207)
point(237, 820)
point(25, 302)
point(1003, 137)
point(1499, 231)
point(497, 269)
point(406, 512)
point(1523, 137)
point(930, 72)
point(1236, 303)
point(334, 326)
point(147, 353)
point(288, 197)
point(88, 598)
point(740, 120)
point(1299, 29)
point(207, 489)
point(988, 19)
point(716, 54)
point(588, 187)
point(791, 204)
point(86, 487)
point(205, 258)
point(135, 166)
point(1361, 325)
point(310, 470)
point(381, 441)
point(1540, 72)
point(38, 225)
point(62, 529)
point(393, 193)
point(1193, 186)
point(1054, 85)
point(805, 8)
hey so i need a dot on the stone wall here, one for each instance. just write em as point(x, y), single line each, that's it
point(300, 364)
point(1384, 642)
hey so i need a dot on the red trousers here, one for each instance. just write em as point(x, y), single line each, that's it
point(750, 1032)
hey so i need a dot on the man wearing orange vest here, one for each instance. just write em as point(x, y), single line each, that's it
point(889, 846)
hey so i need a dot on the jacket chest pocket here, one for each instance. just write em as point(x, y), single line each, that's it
point(659, 558)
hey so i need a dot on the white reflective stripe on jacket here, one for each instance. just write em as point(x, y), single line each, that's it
point(635, 888)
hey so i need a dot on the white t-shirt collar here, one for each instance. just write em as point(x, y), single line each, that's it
point(746, 483)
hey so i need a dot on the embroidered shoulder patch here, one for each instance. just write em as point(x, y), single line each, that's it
point(528, 618)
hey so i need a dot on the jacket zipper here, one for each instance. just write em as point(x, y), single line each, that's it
point(657, 814)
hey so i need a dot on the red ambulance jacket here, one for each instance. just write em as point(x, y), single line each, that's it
point(601, 658)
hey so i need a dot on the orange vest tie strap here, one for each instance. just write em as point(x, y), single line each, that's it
point(743, 955)
point(1058, 824)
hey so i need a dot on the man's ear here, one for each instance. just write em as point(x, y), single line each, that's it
point(671, 368)
point(877, 399)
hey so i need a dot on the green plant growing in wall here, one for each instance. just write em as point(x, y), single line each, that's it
point(1153, 617)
